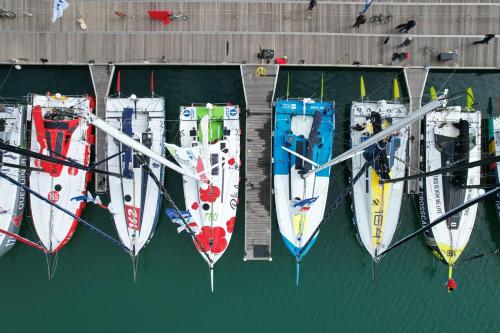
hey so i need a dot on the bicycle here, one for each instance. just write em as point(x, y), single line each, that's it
point(381, 18)
point(180, 15)
point(7, 14)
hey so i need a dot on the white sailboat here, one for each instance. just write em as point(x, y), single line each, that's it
point(210, 148)
point(12, 198)
point(135, 198)
point(376, 205)
point(59, 130)
point(452, 135)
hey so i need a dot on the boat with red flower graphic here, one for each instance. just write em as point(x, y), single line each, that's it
point(60, 131)
point(135, 198)
point(12, 132)
point(210, 148)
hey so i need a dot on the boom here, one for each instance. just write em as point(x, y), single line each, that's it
point(440, 102)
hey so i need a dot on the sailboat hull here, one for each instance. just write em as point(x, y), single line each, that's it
point(451, 136)
point(212, 138)
point(12, 198)
point(135, 198)
point(376, 206)
point(305, 127)
point(59, 131)
point(210, 150)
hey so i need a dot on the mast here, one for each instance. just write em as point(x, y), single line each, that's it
point(64, 210)
point(24, 240)
point(65, 162)
point(440, 102)
point(442, 218)
point(128, 141)
point(452, 167)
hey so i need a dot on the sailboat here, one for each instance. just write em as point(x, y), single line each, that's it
point(210, 149)
point(376, 205)
point(12, 198)
point(451, 135)
point(303, 139)
point(135, 198)
point(59, 131)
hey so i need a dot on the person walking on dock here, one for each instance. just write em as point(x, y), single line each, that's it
point(405, 27)
point(406, 42)
point(485, 40)
point(361, 19)
point(312, 4)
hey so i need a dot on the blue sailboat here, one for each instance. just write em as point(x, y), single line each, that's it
point(303, 139)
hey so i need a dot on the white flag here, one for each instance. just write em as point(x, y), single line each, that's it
point(59, 7)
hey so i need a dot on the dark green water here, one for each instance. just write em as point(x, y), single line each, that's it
point(93, 289)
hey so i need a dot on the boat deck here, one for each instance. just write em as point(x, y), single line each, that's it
point(259, 90)
point(415, 82)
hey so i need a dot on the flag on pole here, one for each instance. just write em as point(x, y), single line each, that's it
point(59, 7)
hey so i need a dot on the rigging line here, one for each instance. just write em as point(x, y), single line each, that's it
point(449, 77)
point(106, 159)
point(164, 191)
point(409, 166)
point(65, 162)
point(451, 168)
point(5, 79)
point(384, 84)
point(442, 218)
point(54, 205)
point(18, 166)
point(477, 256)
point(24, 240)
point(335, 205)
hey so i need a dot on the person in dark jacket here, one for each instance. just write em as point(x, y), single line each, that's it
point(405, 27)
point(485, 40)
point(406, 42)
point(312, 4)
point(361, 19)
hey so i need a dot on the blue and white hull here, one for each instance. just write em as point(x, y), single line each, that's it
point(304, 127)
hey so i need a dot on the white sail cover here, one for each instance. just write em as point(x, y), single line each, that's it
point(452, 135)
point(135, 198)
point(12, 197)
point(377, 205)
point(59, 130)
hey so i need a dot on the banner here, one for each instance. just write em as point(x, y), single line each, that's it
point(59, 7)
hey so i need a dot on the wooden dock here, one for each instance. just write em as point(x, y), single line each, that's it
point(259, 82)
point(101, 79)
point(233, 31)
point(415, 82)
